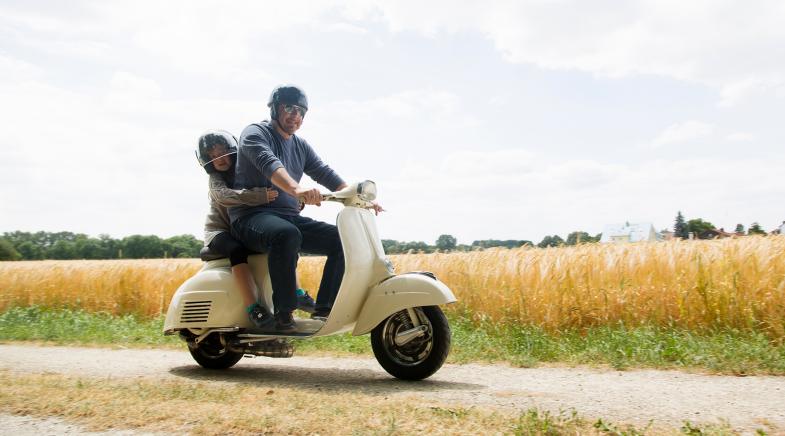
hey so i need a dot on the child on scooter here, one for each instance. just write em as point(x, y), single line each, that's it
point(216, 152)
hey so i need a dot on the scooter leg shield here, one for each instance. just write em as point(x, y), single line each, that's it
point(398, 293)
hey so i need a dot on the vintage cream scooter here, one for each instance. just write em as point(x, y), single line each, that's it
point(410, 335)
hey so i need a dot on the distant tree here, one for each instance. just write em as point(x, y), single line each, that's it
point(756, 229)
point(89, 248)
point(680, 229)
point(508, 243)
point(417, 247)
point(143, 247)
point(30, 251)
point(551, 241)
point(579, 237)
point(7, 250)
point(391, 246)
point(739, 229)
point(62, 250)
point(446, 242)
point(183, 246)
point(111, 247)
point(699, 227)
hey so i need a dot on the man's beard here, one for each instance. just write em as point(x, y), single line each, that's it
point(288, 128)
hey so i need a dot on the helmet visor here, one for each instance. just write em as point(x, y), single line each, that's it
point(214, 145)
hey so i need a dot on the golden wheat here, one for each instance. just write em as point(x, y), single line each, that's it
point(142, 287)
point(737, 283)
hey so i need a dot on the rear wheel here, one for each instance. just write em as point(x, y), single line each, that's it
point(421, 356)
point(213, 352)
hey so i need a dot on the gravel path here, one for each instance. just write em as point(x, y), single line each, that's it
point(636, 396)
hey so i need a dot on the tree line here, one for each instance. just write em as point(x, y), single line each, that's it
point(701, 229)
point(67, 245)
point(450, 243)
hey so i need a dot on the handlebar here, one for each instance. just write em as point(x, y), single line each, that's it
point(359, 194)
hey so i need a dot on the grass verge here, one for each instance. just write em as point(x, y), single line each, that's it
point(723, 351)
point(179, 406)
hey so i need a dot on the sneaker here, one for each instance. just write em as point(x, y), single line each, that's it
point(284, 322)
point(261, 318)
point(320, 314)
point(306, 303)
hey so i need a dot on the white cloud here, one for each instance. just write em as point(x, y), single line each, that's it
point(115, 159)
point(128, 84)
point(557, 198)
point(346, 28)
point(106, 100)
point(733, 46)
point(740, 137)
point(12, 70)
point(411, 104)
point(683, 132)
point(468, 165)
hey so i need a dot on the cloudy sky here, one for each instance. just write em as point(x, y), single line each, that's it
point(499, 119)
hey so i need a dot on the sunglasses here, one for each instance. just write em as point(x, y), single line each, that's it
point(290, 108)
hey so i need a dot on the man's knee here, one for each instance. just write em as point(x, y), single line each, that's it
point(287, 239)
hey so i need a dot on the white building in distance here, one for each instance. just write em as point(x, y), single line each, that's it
point(629, 232)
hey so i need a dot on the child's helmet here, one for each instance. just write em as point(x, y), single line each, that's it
point(212, 141)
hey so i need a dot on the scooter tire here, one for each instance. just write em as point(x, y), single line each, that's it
point(420, 358)
point(209, 356)
point(225, 361)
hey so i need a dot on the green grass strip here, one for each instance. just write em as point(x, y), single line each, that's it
point(724, 351)
point(65, 326)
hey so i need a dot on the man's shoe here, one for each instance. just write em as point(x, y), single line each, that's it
point(306, 303)
point(320, 314)
point(261, 318)
point(284, 322)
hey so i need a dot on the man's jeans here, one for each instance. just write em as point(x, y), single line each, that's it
point(283, 237)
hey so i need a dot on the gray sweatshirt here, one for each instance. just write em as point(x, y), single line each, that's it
point(221, 197)
point(262, 151)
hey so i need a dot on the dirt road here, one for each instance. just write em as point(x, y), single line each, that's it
point(667, 397)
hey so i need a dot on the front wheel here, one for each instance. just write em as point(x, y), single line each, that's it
point(417, 358)
point(213, 352)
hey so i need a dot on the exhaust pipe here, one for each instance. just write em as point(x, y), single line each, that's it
point(278, 348)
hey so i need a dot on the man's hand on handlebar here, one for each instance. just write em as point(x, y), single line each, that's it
point(309, 196)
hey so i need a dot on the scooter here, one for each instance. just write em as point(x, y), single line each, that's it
point(410, 335)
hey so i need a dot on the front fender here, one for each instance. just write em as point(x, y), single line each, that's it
point(398, 293)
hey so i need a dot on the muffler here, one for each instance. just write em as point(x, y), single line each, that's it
point(279, 348)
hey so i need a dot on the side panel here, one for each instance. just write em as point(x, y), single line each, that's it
point(398, 293)
point(211, 299)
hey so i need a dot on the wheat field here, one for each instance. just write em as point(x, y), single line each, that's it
point(731, 283)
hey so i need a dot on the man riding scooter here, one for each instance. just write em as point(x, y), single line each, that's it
point(410, 335)
point(271, 155)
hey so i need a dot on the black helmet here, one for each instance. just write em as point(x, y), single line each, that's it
point(286, 94)
point(215, 140)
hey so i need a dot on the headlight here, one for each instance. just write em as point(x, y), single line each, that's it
point(367, 190)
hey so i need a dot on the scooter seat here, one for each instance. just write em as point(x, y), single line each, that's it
point(207, 255)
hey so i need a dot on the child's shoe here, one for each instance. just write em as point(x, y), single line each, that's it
point(260, 317)
point(305, 302)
